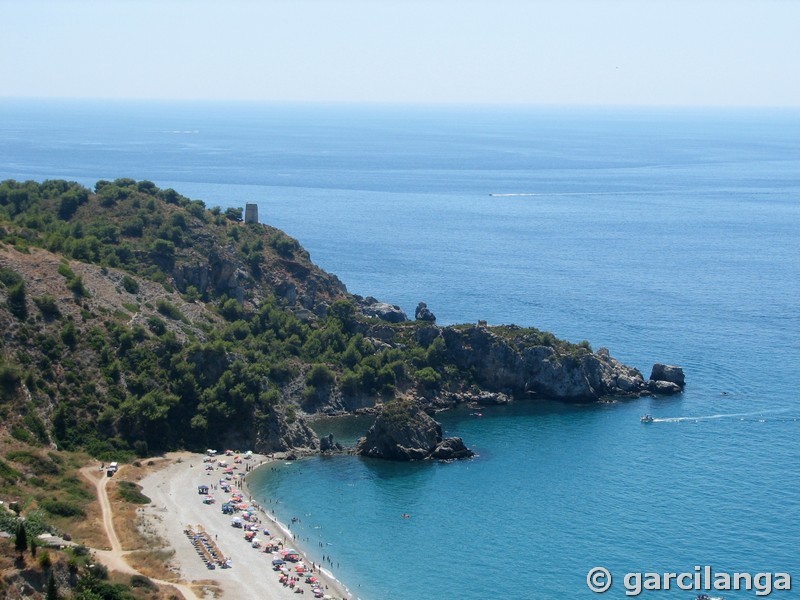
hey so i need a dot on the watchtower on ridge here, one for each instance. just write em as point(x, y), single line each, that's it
point(251, 213)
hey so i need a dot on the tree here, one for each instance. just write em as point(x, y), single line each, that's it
point(68, 205)
point(16, 301)
point(234, 214)
point(344, 311)
point(163, 249)
point(231, 310)
point(21, 539)
point(52, 589)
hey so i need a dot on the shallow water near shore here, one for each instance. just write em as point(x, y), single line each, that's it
point(668, 236)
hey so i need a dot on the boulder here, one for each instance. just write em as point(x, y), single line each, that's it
point(404, 432)
point(668, 373)
point(452, 448)
point(386, 312)
point(663, 388)
point(491, 398)
point(328, 444)
point(423, 313)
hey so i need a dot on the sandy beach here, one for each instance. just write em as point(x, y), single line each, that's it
point(177, 506)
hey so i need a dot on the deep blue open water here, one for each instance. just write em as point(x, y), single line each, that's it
point(670, 236)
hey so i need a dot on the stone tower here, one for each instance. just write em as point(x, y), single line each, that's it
point(251, 213)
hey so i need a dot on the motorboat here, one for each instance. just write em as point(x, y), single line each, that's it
point(647, 419)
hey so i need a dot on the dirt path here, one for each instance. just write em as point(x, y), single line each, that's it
point(114, 559)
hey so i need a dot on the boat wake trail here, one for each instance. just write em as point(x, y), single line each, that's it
point(568, 194)
point(749, 416)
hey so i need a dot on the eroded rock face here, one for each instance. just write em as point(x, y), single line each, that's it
point(328, 444)
point(518, 367)
point(423, 313)
point(669, 373)
point(663, 388)
point(404, 432)
point(282, 433)
point(386, 312)
point(451, 449)
point(218, 274)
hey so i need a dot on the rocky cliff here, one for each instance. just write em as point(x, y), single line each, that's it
point(520, 364)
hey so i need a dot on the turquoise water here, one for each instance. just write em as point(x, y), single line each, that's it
point(666, 236)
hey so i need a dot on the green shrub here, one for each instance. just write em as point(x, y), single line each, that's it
point(169, 310)
point(349, 383)
point(44, 559)
point(8, 473)
point(131, 492)
point(16, 301)
point(140, 581)
point(428, 378)
point(21, 434)
point(156, 325)
point(69, 334)
point(130, 284)
point(65, 270)
point(62, 508)
point(9, 277)
point(231, 310)
point(10, 378)
point(283, 244)
point(319, 375)
point(76, 286)
point(234, 214)
point(48, 306)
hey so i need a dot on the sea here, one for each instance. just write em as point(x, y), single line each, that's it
point(665, 235)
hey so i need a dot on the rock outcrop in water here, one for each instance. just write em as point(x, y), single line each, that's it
point(423, 313)
point(666, 379)
point(404, 432)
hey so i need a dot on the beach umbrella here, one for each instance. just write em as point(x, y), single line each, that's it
point(278, 561)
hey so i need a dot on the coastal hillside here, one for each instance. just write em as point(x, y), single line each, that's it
point(135, 320)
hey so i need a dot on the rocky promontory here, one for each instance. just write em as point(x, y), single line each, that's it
point(135, 320)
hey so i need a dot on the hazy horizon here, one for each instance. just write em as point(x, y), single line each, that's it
point(615, 53)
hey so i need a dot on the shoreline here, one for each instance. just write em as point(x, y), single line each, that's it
point(176, 507)
point(331, 581)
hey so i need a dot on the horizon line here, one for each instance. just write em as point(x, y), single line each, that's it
point(397, 103)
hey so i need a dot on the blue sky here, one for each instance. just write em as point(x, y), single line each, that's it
point(558, 52)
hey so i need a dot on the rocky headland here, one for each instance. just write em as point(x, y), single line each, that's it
point(153, 323)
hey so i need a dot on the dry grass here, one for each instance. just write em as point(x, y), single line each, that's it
point(126, 515)
point(89, 529)
point(204, 587)
point(149, 553)
point(154, 563)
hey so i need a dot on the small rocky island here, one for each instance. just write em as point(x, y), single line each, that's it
point(403, 431)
